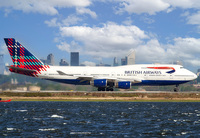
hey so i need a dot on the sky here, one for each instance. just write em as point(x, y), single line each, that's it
point(160, 31)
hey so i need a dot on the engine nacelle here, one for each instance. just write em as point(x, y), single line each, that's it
point(99, 83)
point(123, 85)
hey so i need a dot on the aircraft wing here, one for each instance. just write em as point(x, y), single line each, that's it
point(79, 77)
point(109, 79)
point(17, 69)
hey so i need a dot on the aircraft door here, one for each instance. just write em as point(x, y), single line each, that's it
point(113, 74)
point(146, 76)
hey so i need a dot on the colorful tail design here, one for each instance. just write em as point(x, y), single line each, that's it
point(23, 59)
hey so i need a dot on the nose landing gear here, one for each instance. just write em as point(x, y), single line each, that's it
point(176, 89)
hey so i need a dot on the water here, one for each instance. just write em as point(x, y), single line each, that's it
point(99, 119)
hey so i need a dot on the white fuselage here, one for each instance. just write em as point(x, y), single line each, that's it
point(143, 74)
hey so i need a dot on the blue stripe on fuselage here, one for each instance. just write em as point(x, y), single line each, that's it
point(144, 82)
point(160, 82)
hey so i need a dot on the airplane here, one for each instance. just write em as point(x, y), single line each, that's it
point(104, 78)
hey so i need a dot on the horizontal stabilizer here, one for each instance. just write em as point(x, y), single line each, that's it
point(17, 69)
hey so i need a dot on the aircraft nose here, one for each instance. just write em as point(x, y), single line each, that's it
point(195, 76)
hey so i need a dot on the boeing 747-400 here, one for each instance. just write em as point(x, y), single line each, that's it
point(104, 78)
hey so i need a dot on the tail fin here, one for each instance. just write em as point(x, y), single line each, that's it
point(22, 58)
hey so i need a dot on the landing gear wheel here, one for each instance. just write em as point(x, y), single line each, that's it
point(101, 89)
point(109, 89)
point(176, 89)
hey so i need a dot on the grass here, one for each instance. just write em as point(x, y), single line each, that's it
point(101, 97)
point(106, 100)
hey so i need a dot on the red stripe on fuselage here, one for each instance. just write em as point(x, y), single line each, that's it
point(161, 68)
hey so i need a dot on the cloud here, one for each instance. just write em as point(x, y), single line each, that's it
point(152, 7)
point(3, 49)
point(150, 52)
point(52, 23)
point(182, 49)
point(107, 41)
point(184, 4)
point(128, 21)
point(70, 20)
point(68, 47)
point(63, 46)
point(86, 11)
point(147, 20)
point(194, 19)
point(185, 49)
point(88, 63)
point(48, 7)
point(114, 40)
point(143, 6)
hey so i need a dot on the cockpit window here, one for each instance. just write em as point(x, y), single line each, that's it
point(181, 67)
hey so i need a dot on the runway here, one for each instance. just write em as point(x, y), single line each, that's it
point(50, 91)
point(119, 91)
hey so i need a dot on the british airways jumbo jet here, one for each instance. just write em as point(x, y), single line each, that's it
point(104, 78)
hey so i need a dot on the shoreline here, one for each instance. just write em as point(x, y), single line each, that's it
point(102, 97)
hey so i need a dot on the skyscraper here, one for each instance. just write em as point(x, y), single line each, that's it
point(131, 58)
point(115, 62)
point(124, 61)
point(74, 61)
point(50, 59)
point(63, 62)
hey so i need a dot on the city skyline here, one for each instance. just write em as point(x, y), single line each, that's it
point(160, 31)
point(63, 62)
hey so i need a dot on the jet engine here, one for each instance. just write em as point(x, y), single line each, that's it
point(123, 85)
point(99, 83)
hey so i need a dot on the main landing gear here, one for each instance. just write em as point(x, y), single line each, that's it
point(105, 88)
point(176, 89)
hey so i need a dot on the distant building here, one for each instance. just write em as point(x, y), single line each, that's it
point(50, 59)
point(178, 63)
point(115, 62)
point(14, 81)
point(198, 72)
point(74, 60)
point(6, 71)
point(131, 58)
point(63, 62)
point(44, 61)
point(2, 65)
point(124, 61)
point(21, 88)
point(34, 88)
point(101, 64)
